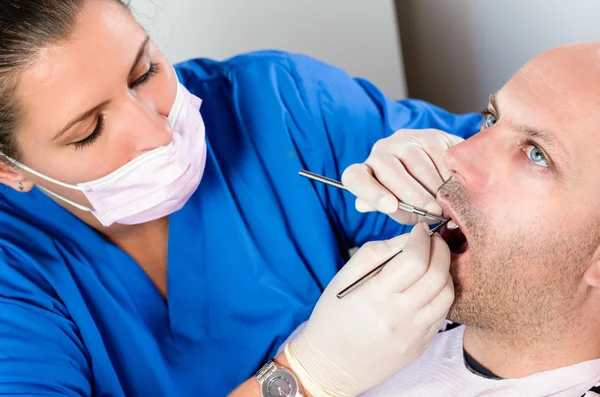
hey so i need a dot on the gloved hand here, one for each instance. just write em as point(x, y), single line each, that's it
point(407, 165)
point(351, 345)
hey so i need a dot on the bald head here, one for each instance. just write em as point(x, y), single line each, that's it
point(564, 81)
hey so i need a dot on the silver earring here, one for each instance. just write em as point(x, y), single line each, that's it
point(20, 186)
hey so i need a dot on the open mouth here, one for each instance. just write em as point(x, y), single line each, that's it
point(456, 240)
point(454, 237)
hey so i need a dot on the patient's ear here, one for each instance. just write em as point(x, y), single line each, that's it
point(592, 274)
point(14, 178)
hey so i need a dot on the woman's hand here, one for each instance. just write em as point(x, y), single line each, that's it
point(351, 345)
point(407, 165)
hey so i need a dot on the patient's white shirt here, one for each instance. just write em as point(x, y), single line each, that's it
point(441, 372)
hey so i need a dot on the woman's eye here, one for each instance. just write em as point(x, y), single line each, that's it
point(152, 71)
point(490, 120)
point(90, 139)
point(537, 156)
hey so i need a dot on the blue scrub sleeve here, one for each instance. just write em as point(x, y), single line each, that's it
point(40, 352)
point(351, 115)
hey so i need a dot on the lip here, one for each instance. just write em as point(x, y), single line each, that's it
point(449, 213)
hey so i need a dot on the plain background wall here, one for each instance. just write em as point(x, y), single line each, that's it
point(360, 36)
point(457, 52)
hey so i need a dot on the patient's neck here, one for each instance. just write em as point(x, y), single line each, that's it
point(522, 354)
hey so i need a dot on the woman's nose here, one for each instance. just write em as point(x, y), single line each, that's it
point(148, 128)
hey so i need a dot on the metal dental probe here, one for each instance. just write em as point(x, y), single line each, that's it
point(403, 206)
point(379, 268)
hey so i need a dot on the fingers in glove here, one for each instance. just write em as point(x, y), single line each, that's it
point(423, 170)
point(359, 179)
point(438, 307)
point(434, 280)
point(367, 258)
point(410, 265)
point(391, 173)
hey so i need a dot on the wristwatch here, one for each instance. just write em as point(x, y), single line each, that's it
point(277, 381)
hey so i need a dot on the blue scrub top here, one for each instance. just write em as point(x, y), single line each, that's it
point(249, 254)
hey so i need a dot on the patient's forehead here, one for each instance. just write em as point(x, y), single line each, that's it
point(564, 81)
point(559, 91)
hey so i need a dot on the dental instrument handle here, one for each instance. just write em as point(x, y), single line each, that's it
point(419, 211)
point(322, 179)
point(379, 268)
point(402, 206)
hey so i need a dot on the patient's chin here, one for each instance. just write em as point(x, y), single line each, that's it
point(465, 308)
point(479, 297)
point(455, 314)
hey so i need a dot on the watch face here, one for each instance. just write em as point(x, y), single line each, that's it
point(280, 387)
point(280, 384)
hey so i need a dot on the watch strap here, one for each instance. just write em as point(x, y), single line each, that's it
point(265, 370)
point(271, 367)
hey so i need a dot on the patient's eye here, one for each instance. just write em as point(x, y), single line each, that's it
point(490, 120)
point(537, 156)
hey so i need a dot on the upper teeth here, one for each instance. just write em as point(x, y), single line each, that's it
point(452, 225)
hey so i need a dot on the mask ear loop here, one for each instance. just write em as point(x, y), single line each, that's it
point(52, 180)
point(66, 200)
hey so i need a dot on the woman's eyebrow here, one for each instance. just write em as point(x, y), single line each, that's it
point(79, 119)
point(93, 110)
point(139, 55)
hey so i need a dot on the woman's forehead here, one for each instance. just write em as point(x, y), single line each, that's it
point(70, 77)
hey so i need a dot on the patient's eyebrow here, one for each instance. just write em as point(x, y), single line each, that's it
point(547, 139)
point(533, 133)
point(494, 103)
point(549, 143)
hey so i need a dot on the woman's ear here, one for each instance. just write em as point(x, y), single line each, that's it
point(14, 178)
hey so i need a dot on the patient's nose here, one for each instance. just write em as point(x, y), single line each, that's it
point(471, 162)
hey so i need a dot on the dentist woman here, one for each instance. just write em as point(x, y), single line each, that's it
point(155, 239)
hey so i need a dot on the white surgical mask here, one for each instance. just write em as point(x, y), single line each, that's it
point(155, 184)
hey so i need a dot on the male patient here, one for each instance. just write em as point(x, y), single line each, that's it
point(525, 192)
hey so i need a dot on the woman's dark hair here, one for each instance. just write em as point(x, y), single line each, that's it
point(26, 27)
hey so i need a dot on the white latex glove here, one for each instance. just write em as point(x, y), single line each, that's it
point(407, 165)
point(351, 345)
